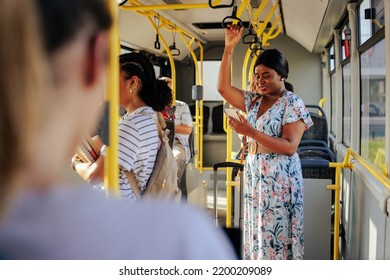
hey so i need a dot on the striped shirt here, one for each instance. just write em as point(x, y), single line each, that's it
point(138, 146)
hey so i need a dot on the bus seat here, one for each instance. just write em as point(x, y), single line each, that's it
point(315, 162)
point(316, 151)
point(319, 143)
point(319, 131)
point(217, 119)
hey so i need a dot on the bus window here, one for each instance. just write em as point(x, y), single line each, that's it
point(347, 104)
point(373, 94)
point(371, 18)
point(210, 74)
point(332, 90)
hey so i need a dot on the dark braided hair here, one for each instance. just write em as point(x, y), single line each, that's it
point(274, 59)
point(153, 92)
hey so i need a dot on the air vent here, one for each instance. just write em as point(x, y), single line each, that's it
point(218, 25)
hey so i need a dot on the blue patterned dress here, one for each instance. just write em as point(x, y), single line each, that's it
point(273, 220)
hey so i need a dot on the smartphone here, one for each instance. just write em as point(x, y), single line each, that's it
point(230, 112)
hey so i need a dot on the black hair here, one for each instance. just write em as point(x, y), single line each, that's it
point(62, 19)
point(155, 93)
point(274, 59)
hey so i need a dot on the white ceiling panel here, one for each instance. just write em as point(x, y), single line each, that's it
point(303, 19)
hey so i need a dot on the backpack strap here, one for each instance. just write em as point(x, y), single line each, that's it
point(133, 183)
point(130, 174)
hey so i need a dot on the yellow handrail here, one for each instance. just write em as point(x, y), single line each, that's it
point(168, 6)
point(149, 12)
point(170, 56)
point(321, 104)
point(111, 166)
point(270, 35)
point(259, 29)
point(248, 52)
point(143, 10)
point(199, 116)
point(381, 178)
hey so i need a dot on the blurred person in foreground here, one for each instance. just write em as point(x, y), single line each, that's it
point(43, 216)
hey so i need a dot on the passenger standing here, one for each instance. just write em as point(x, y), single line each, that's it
point(46, 217)
point(183, 129)
point(275, 122)
point(141, 94)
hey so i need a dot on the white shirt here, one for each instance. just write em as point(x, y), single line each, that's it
point(183, 117)
point(78, 223)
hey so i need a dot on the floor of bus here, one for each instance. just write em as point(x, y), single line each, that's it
point(316, 251)
point(205, 198)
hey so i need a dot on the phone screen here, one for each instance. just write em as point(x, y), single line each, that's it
point(230, 112)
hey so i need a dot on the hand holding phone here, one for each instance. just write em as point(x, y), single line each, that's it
point(230, 112)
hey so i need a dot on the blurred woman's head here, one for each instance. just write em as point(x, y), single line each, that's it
point(21, 87)
point(138, 78)
point(75, 36)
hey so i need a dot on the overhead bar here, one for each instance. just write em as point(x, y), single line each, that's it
point(142, 7)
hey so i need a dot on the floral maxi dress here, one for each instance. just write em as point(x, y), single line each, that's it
point(273, 219)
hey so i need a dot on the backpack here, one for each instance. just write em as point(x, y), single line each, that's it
point(162, 183)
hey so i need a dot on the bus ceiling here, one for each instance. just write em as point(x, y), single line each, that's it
point(309, 22)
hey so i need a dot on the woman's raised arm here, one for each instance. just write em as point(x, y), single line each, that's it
point(230, 93)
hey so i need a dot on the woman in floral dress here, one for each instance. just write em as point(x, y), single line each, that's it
point(275, 121)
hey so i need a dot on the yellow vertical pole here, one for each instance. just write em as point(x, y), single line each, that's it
point(199, 111)
point(229, 141)
point(336, 187)
point(244, 67)
point(336, 229)
point(337, 214)
point(201, 119)
point(197, 134)
point(111, 168)
point(229, 135)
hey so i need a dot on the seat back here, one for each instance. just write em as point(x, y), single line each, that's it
point(217, 119)
point(319, 131)
point(206, 116)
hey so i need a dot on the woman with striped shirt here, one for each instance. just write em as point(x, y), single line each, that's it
point(142, 95)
